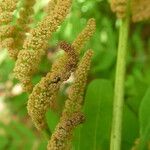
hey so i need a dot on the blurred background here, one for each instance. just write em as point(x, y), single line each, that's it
point(16, 128)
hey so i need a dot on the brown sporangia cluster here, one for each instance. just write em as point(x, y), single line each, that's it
point(119, 7)
point(23, 25)
point(50, 7)
point(139, 9)
point(44, 92)
point(72, 114)
point(62, 132)
point(85, 35)
point(13, 31)
point(27, 46)
point(76, 90)
point(77, 44)
point(37, 42)
point(7, 8)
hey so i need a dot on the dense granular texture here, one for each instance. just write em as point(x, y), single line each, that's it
point(6, 17)
point(40, 100)
point(8, 5)
point(50, 6)
point(140, 10)
point(25, 67)
point(76, 91)
point(85, 35)
point(13, 36)
point(7, 8)
point(62, 132)
point(77, 45)
point(70, 118)
point(45, 92)
point(119, 7)
point(38, 41)
point(22, 25)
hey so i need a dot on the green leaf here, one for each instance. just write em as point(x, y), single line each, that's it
point(42, 145)
point(145, 121)
point(3, 142)
point(26, 134)
point(17, 104)
point(130, 128)
point(52, 119)
point(17, 136)
point(11, 134)
point(95, 132)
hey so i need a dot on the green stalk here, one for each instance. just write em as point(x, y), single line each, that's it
point(116, 132)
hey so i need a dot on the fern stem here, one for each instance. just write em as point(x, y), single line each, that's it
point(116, 132)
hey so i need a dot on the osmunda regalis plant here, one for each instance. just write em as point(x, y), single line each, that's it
point(27, 46)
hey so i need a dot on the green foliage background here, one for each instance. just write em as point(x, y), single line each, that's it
point(16, 128)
